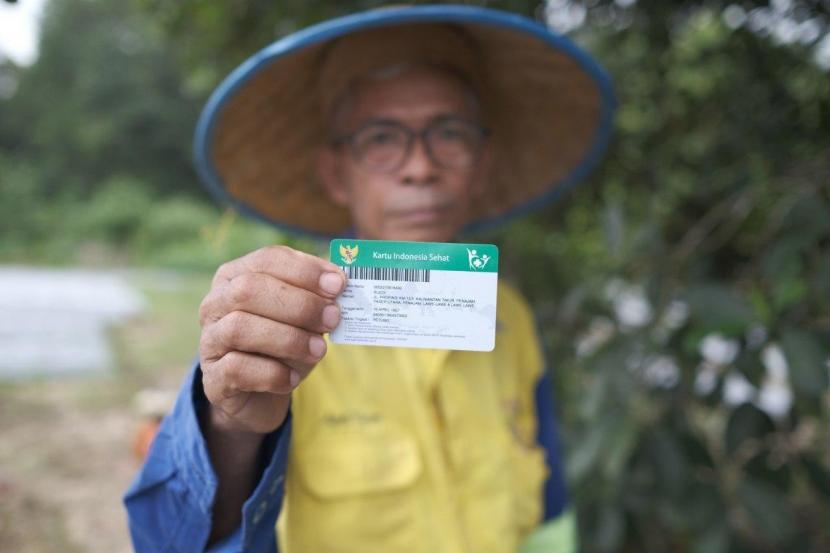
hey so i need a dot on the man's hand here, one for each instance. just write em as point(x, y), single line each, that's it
point(261, 334)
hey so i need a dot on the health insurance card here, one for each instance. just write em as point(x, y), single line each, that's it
point(417, 294)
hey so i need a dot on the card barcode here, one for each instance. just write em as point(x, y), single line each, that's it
point(384, 273)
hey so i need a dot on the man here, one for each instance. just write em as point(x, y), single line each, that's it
point(394, 125)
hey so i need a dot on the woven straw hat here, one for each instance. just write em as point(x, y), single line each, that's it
point(547, 104)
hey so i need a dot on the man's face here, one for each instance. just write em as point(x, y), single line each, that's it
point(421, 199)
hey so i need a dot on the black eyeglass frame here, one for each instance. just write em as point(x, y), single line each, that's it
point(411, 136)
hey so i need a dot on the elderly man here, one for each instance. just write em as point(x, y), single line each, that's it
point(410, 124)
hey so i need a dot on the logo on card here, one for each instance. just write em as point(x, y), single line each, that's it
point(348, 253)
point(477, 262)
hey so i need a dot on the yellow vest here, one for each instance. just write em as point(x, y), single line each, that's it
point(413, 450)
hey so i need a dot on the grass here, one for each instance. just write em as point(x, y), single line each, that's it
point(158, 347)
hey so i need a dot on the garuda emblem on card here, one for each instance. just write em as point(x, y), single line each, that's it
point(348, 253)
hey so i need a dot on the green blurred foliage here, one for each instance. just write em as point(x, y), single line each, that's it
point(714, 203)
point(104, 98)
point(666, 287)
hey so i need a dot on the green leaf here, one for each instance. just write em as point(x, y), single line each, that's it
point(585, 454)
point(769, 510)
point(764, 466)
point(714, 539)
point(807, 362)
point(671, 515)
point(719, 308)
point(703, 507)
point(783, 259)
point(696, 451)
point(808, 218)
point(760, 306)
point(821, 283)
point(619, 450)
point(747, 422)
point(750, 364)
point(787, 292)
point(669, 460)
point(610, 529)
point(818, 475)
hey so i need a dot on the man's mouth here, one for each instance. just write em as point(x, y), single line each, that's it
point(425, 215)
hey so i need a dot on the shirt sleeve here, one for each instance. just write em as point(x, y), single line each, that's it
point(555, 493)
point(557, 532)
point(169, 504)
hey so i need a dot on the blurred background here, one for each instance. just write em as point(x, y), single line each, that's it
point(683, 291)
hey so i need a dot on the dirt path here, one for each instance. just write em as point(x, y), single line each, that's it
point(63, 470)
point(66, 436)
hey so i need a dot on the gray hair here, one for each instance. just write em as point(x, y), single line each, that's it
point(344, 102)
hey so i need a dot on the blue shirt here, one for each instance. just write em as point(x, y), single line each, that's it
point(170, 502)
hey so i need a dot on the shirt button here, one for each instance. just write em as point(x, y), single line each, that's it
point(275, 485)
point(260, 512)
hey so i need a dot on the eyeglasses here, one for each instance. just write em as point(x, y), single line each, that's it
point(384, 146)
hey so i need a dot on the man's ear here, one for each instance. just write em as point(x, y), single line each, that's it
point(330, 172)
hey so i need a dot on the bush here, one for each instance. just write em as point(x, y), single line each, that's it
point(113, 215)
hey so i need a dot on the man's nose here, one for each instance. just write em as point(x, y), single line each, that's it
point(419, 167)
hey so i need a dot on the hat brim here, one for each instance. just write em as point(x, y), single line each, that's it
point(549, 104)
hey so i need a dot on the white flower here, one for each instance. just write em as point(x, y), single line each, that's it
point(719, 350)
point(737, 389)
point(661, 371)
point(676, 314)
point(775, 398)
point(776, 364)
point(632, 308)
point(706, 379)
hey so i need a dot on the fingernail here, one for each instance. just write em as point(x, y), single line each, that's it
point(331, 282)
point(317, 346)
point(331, 316)
point(295, 379)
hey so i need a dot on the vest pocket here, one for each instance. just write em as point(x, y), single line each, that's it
point(356, 494)
point(340, 467)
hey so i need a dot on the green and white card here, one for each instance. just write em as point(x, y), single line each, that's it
point(417, 294)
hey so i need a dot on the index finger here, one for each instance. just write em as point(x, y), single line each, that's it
point(289, 265)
